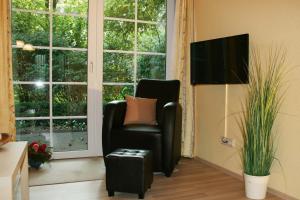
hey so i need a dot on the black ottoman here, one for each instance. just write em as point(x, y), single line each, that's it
point(129, 170)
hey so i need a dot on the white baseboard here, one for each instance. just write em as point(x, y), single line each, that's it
point(240, 177)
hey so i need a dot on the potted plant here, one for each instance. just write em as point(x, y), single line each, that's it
point(38, 153)
point(261, 109)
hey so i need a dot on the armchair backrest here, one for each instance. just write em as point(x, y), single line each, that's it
point(163, 90)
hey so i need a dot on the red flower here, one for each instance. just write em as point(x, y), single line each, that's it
point(42, 148)
point(35, 147)
point(33, 143)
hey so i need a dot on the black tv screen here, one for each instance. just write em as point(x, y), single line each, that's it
point(220, 61)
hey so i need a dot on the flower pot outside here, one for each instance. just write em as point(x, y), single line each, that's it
point(35, 163)
point(256, 186)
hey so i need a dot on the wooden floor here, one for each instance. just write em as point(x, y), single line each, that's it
point(193, 180)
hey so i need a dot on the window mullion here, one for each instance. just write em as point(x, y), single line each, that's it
point(50, 70)
point(135, 45)
point(55, 48)
point(137, 52)
point(131, 20)
point(117, 83)
point(46, 118)
point(170, 37)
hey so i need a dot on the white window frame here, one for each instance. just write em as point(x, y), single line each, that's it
point(95, 57)
point(93, 89)
point(171, 4)
point(169, 29)
point(95, 71)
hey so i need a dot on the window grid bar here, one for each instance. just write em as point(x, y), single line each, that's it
point(50, 72)
point(54, 48)
point(69, 49)
point(48, 83)
point(69, 83)
point(118, 51)
point(151, 53)
point(135, 46)
point(117, 83)
point(48, 12)
point(133, 52)
point(69, 117)
point(84, 16)
point(32, 118)
point(54, 117)
point(131, 20)
point(30, 82)
point(106, 50)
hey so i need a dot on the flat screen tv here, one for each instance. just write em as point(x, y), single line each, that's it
point(220, 61)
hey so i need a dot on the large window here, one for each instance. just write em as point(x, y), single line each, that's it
point(50, 72)
point(134, 44)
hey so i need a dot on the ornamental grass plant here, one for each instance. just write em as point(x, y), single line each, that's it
point(260, 111)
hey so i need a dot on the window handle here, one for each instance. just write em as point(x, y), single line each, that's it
point(92, 67)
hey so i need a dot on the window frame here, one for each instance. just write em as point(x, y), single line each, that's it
point(95, 18)
point(170, 10)
point(92, 149)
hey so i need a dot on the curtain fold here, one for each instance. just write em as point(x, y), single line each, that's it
point(7, 112)
point(182, 38)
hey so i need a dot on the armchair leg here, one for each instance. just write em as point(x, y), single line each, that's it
point(111, 193)
point(141, 196)
point(168, 174)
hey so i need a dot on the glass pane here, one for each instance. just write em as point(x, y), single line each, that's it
point(118, 35)
point(70, 135)
point(151, 66)
point(31, 100)
point(69, 100)
point(31, 5)
point(33, 130)
point(151, 38)
point(30, 28)
point(69, 31)
point(69, 66)
point(119, 8)
point(116, 92)
point(152, 10)
point(71, 6)
point(118, 67)
point(30, 65)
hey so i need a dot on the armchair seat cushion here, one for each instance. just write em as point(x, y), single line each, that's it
point(140, 128)
point(137, 136)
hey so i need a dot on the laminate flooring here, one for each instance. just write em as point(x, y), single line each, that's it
point(193, 180)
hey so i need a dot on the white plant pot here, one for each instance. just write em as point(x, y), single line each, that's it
point(256, 186)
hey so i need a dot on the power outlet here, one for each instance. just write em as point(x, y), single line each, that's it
point(228, 141)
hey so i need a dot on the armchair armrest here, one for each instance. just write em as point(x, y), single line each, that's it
point(114, 113)
point(171, 138)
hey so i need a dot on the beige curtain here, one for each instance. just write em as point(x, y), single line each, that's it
point(7, 113)
point(182, 38)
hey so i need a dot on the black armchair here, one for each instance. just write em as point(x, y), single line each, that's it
point(164, 139)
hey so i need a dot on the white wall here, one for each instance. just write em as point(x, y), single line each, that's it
point(269, 23)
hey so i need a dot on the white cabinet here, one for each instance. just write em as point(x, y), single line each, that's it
point(14, 171)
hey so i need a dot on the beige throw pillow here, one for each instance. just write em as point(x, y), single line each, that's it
point(140, 111)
